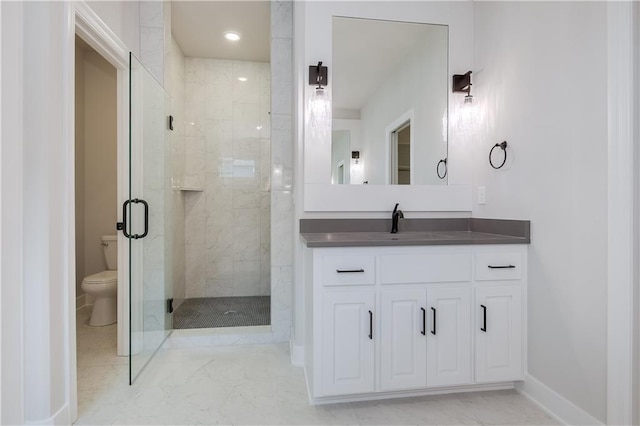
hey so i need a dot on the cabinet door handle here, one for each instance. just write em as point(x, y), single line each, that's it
point(424, 322)
point(484, 318)
point(348, 271)
point(370, 325)
point(501, 266)
point(433, 330)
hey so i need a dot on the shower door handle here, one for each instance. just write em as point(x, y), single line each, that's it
point(123, 225)
point(125, 216)
point(146, 217)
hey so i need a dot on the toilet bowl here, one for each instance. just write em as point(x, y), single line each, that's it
point(103, 286)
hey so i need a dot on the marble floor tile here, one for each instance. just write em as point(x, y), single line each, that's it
point(254, 384)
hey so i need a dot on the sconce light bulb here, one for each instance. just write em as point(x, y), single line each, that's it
point(320, 108)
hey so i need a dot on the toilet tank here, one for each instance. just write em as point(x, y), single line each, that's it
point(110, 248)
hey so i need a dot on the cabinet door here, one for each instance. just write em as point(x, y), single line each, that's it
point(347, 364)
point(402, 342)
point(498, 325)
point(448, 336)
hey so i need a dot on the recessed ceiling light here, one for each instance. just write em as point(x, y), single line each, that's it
point(242, 78)
point(231, 36)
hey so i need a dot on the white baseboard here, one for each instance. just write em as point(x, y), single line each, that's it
point(297, 354)
point(61, 417)
point(81, 302)
point(554, 404)
point(409, 393)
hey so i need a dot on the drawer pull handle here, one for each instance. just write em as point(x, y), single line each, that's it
point(424, 322)
point(370, 325)
point(348, 271)
point(502, 267)
point(484, 318)
point(433, 331)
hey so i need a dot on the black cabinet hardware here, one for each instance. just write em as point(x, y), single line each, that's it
point(348, 271)
point(484, 318)
point(433, 330)
point(444, 173)
point(502, 145)
point(370, 325)
point(424, 322)
point(501, 267)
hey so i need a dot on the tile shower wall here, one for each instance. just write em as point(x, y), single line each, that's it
point(282, 169)
point(174, 73)
point(228, 157)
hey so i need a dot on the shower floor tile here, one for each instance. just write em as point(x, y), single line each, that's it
point(212, 312)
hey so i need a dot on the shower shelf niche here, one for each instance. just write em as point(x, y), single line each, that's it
point(191, 189)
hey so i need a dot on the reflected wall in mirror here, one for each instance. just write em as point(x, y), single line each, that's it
point(388, 79)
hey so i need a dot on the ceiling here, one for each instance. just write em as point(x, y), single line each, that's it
point(365, 53)
point(199, 27)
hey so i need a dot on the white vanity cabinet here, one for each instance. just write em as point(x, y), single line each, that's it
point(499, 333)
point(394, 321)
point(347, 342)
point(403, 352)
point(449, 336)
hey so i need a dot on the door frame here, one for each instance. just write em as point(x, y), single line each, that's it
point(84, 22)
point(389, 138)
point(623, 288)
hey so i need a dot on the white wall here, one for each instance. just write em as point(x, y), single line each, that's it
point(354, 127)
point(540, 78)
point(11, 218)
point(340, 152)
point(123, 18)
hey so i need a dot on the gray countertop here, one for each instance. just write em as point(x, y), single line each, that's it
point(433, 232)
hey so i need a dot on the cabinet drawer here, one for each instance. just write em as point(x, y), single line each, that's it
point(348, 270)
point(498, 266)
point(425, 268)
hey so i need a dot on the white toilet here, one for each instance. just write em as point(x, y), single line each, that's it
point(103, 286)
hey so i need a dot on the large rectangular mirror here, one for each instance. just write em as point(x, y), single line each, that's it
point(389, 98)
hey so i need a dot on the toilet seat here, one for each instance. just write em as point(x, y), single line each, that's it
point(104, 277)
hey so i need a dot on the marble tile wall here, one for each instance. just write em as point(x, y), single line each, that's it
point(282, 173)
point(154, 23)
point(174, 73)
point(227, 154)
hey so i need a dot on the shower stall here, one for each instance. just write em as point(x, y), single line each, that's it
point(221, 108)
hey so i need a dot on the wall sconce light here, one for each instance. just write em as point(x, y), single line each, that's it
point(355, 155)
point(462, 84)
point(320, 104)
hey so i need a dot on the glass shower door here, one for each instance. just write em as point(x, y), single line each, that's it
point(147, 218)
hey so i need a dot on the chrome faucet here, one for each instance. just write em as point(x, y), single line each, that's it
point(397, 214)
